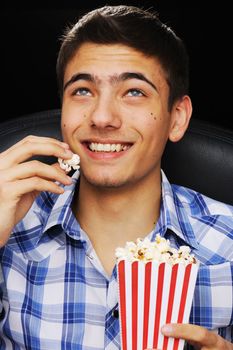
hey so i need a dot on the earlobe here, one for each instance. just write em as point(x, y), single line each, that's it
point(180, 117)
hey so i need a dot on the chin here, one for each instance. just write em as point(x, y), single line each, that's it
point(102, 181)
point(105, 183)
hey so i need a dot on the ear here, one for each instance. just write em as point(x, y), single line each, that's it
point(180, 117)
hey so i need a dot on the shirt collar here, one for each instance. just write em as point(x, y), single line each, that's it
point(173, 215)
point(62, 214)
point(50, 210)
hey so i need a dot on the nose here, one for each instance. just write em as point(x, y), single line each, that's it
point(105, 114)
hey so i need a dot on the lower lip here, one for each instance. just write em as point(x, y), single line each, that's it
point(104, 155)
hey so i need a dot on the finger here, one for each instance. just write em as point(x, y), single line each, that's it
point(29, 149)
point(191, 333)
point(41, 139)
point(35, 168)
point(22, 187)
point(57, 166)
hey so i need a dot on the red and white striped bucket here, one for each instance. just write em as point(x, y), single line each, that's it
point(150, 295)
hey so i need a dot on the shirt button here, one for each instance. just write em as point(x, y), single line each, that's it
point(115, 313)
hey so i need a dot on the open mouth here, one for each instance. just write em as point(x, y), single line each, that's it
point(107, 147)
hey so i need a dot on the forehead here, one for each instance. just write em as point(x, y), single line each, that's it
point(108, 61)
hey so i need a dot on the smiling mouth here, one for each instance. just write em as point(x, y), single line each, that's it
point(108, 147)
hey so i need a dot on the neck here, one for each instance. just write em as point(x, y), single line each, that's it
point(111, 217)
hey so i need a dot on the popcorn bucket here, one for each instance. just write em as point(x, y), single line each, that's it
point(150, 295)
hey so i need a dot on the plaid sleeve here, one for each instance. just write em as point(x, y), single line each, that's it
point(213, 298)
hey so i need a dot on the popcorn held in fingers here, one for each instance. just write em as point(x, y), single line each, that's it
point(68, 164)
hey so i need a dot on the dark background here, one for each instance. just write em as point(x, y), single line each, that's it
point(30, 43)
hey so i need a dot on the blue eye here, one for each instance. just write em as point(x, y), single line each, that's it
point(135, 93)
point(82, 92)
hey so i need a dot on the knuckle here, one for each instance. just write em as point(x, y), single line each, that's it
point(208, 337)
point(3, 160)
point(30, 138)
point(204, 336)
point(29, 141)
point(35, 163)
point(1, 179)
point(220, 343)
point(36, 182)
point(5, 190)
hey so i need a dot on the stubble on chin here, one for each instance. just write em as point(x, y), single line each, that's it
point(104, 181)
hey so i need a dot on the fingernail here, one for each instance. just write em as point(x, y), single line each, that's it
point(167, 329)
point(69, 153)
point(65, 145)
point(61, 190)
point(69, 179)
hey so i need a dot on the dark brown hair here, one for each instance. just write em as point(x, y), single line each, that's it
point(136, 28)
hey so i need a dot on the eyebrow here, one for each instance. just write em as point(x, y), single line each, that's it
point(133, 75)
point(79, 76)
point(113, 79)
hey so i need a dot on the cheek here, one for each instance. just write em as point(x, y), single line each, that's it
point(154, 128)
point(156, 114)
point(71, 124)
point(153, 115)
point(68, 126)
point(71, 119)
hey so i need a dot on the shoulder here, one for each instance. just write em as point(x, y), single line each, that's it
point(210, 221)
point(197, 204)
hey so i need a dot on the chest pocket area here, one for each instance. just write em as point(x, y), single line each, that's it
point(213, 297)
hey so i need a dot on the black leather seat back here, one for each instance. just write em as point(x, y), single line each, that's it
point(45, 123)
point(202, 160)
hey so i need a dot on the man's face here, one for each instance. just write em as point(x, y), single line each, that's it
point(114, 114)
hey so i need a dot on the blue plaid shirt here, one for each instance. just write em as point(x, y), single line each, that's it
point(55, 294)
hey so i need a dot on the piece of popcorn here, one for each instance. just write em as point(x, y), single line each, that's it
point(160, 250)
point(68, 164)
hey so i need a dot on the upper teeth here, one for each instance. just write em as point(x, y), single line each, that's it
point(107, 147)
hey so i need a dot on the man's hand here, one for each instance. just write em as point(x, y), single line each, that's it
point(22, 179)
point(199, 337)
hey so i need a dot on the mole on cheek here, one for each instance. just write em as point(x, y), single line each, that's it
point(64, 125)
point(152, 114)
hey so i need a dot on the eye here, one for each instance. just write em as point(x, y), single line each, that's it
point(135, 93)
point(82, 92)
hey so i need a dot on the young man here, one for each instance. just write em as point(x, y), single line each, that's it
point(123, 77)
